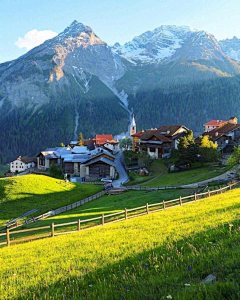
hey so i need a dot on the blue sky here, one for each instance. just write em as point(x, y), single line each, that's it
point(113, 21)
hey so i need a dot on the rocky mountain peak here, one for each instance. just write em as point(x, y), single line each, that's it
point(79, 34)
point(231, 47)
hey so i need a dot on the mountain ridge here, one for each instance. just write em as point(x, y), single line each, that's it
point(78, 71)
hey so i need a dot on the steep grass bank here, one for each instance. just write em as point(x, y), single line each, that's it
point(21, 194)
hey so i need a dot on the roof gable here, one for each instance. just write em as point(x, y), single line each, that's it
point(171, 130)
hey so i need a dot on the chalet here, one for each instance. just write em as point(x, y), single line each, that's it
point(88, 143)
point(224, 135)
point(218, 123)
point(45, 158)
point(213, 125)
point(159, 143)
point(79, 161)
point(106, 141)
point(22, 164)
point(136, 139)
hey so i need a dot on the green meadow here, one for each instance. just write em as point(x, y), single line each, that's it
point(21, 194)
point(187, 177)
point(107, 204)
point(164, 255)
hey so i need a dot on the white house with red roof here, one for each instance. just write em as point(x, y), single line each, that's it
point(213, 125)
point(106, 141)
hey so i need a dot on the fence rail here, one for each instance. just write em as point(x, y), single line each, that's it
point(59, 210)
point(143, 210)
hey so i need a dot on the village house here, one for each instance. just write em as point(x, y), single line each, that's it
point(22, 164)
point(79, 161)
point(86, 142)
point(218, 123)
point(159, 143)
point(226, 134)
point(106, 141)
point(213, 125)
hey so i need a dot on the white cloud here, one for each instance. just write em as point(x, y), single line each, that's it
point(34, 38)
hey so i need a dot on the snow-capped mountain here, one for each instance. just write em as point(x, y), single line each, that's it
point(231, 47)
point(156, 45)
point(170, 42)
point(200, 45)
point(76, 82)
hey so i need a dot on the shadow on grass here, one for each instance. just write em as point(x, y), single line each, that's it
point(176, 268)
point(111, 204)
point(50, 200)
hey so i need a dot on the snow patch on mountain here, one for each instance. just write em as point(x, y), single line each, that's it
point(231, 47)
point(156, 45)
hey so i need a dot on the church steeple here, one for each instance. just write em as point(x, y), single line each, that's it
point(133, 127)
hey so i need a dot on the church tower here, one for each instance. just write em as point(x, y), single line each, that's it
point(132, 128)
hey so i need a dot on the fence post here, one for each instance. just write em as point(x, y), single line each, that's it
point(164, 206)
point(52, 234)
point(79, 225)
point(220, 190)
point(230, 186)
point(8, 238)
point(125, 214)
point(147, 209)
point(209, 193)
point(195, 196)
point(180, 200)
point(102, 219)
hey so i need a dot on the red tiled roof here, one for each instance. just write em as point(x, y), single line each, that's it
point(113, 142)
point(215, 123)
point(102, 138)
point(138, 134)
point(216, 133)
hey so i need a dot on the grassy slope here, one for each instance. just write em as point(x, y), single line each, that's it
point(111, 204)
point(187, 177)
point(149, 257)
point(46, 194)
point(156, 167)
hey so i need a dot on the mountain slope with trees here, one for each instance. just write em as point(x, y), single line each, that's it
point(76, 83)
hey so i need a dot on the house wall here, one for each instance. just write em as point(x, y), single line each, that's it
point(17, 166)
point(42, 163)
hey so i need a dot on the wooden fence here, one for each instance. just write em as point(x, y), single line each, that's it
point(109, 218)
point(60, 209)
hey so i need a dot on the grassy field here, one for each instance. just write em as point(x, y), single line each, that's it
point(163, 255)
point(186, 177)
point(111, 204)
point(156, 167)
point(21, 194)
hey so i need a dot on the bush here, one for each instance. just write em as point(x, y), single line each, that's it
point(55, 171)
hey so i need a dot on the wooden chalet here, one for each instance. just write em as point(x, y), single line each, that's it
point(224, 135)
point(158, 143)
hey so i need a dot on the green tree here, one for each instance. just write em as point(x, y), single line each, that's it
point(55, 170)
point(234, 159)
point(187, 149)
point(208, 149)
point(80, 139)
point(125, 143)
